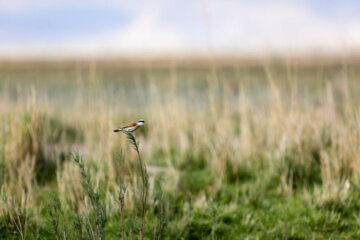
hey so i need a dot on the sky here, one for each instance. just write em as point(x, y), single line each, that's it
point(96, 27)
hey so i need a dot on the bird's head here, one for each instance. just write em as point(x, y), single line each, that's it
point(140, 122)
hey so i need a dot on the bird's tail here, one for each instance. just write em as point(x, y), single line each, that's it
point(118, 130)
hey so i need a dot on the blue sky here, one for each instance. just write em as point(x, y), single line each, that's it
point(61, 22)
point(135, 27)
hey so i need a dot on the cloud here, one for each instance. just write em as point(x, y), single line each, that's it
point(173, 26)
point(277, 25)
point(146, 32)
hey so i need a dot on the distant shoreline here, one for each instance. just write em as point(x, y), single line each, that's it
point(225, 60)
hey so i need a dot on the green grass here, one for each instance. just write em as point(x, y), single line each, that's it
point(249, 207)
point(258, 213)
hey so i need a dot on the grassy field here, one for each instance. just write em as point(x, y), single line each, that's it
point(233, 150)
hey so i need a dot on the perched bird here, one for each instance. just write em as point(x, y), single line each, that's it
point(132, 127)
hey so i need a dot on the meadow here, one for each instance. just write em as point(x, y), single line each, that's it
point(265, 149)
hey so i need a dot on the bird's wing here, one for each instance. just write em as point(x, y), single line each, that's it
point(131, 125)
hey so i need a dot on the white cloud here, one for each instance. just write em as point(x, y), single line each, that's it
point(220, 25)
point(283, 25)
point(146, 32)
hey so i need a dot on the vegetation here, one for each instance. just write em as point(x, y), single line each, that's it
point(227, 152)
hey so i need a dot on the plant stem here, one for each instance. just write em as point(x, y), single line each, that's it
point(122, 191)
point(122, 224)
point(143, 199)
point(132, 140)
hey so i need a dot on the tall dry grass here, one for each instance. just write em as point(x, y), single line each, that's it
point(305, 139)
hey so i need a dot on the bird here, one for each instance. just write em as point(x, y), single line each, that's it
point(131, 127)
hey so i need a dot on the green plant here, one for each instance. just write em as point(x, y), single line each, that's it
point(98, 208)
point(213, 212)
point(78, 223)
point(56, 213)
point(144, 181)
point(122, 191)
point(121, 195)
point(160, 212)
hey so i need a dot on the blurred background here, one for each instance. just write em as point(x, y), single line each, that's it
point(251, 109)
